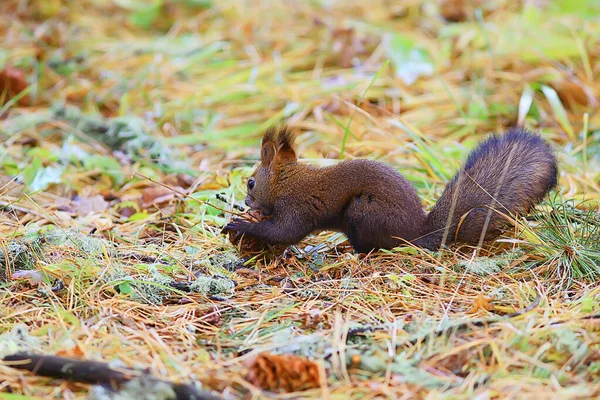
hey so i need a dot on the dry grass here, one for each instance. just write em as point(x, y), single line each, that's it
point(206, 81)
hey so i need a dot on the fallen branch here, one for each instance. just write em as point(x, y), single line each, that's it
point(92, 372)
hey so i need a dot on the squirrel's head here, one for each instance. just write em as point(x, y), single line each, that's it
point(277, 152)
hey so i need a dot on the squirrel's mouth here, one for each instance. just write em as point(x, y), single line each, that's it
point(254, 205)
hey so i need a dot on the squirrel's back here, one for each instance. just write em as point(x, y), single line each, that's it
point(505, 174)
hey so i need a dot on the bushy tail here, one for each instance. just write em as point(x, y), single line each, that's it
point(505, 174)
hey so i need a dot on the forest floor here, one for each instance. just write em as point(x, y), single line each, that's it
point(128, 130)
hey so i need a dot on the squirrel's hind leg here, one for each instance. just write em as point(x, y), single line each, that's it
point(368, 225)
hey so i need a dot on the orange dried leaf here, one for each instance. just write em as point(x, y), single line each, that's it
point(481, 302)
point(283, 373)
point(74, 352)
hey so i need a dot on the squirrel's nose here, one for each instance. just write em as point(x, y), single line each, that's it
point(248, 201)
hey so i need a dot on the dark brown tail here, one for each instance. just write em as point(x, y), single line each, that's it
point(505, 174)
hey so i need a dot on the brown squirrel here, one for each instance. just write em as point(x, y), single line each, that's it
point(377, 208)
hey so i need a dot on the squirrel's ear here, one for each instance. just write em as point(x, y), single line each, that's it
point(285, 147)
point(268, 149)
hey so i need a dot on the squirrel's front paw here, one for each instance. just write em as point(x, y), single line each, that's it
point(239, 226)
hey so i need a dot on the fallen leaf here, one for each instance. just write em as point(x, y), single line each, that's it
point(12, 82)
point(73, 352)
point(454, 10)
point(157, 195)
point(180, 180)
point(283, 373)
point(34, 277)
point(127, 211)
point(87, 205)
point(571, 93)
point(102, 223)
point(481, 302)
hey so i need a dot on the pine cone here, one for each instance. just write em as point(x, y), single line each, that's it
point(249, 245)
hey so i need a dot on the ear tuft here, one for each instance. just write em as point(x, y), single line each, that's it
point(285, 146)
point(270, 135)
point(278, 147)
point(285, 138)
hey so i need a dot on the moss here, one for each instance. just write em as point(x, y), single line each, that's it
point(16, 340)
point(142, 388)
point(213, 285)
point(488, 265)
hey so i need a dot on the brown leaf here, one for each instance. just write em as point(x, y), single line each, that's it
point(283, 373)
point(127, 211)
point(12, 82)
point(454, 10)
point(88, 205)
point(185, 180)
point(157, 195)
point(571, 93)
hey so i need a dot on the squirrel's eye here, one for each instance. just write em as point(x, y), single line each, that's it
point(251, 183)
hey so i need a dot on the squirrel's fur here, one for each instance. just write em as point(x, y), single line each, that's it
point(376, 207)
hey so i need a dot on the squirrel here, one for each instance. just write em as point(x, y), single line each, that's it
point(378, 208)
